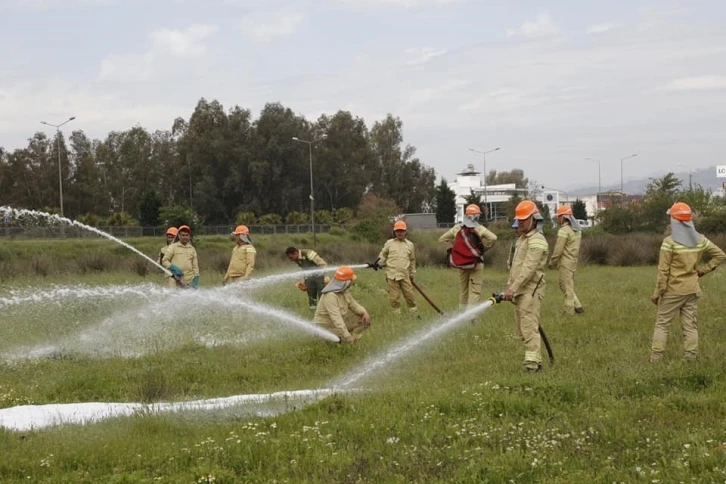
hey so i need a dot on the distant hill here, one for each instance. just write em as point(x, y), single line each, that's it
point(705, 177)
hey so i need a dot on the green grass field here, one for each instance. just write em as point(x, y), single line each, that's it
point(458, 409)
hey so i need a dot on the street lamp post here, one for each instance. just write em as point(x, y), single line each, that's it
point(621, 169)
point(599, 183)
point(484, 155)
point(312, 196)
point(60, 174)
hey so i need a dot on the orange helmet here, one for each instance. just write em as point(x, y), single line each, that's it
point(564, 210)
point(681, 212)
point(472, 209)
point(400, 225)
point(172, 231)
point(185, 227)
point(525, 209)
point(344, 273)
point(241, 230)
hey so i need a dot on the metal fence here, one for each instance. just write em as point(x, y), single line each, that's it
point(70, 231)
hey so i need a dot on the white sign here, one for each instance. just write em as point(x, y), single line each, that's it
point(721, 171)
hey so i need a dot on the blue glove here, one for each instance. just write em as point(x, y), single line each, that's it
point(176, 271)
point(195, 282)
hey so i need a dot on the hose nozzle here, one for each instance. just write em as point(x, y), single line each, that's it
point(497, 297)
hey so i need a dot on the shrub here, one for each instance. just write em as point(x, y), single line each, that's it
point(375, 231)
point(373, 207)
point(93, 262)
point(89, 219)
point(323, 217)
point(176, 215)
point(297, 218)
point(336, 231)
point(635, 250)
point(714, 224)
point(270, 219)
point(245, 218)
point(140, 266)
point(342, 216)
point(40, 266)
point(120, 219)
point(595, 250)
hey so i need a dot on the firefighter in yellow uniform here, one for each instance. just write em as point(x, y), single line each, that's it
point(308, 259)
point(525, 286)
point(466, 244)
point(181, 259)
point(171, 234)
point(676, 288)
point(242, 262)
point(565, 257)
point(338, 312)
point(398, 256)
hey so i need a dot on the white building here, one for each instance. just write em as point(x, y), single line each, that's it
point(493, 196)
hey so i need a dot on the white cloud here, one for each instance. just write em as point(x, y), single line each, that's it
point(698, 83)
point(601, 28)
point(47, 4)
point(542, 26)
point(395, 3)
point(423, 55)
point(184, 43)
point(165, 43)
point(265, 27)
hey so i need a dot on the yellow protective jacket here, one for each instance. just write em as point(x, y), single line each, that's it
point(184, 257)
point(399, 258)
point(678, 266)
point(309, 259)
point(487, 237)
point(162, 253)
point(528, 263)
point(567, 248)
point(332, 310)
point(242, 262)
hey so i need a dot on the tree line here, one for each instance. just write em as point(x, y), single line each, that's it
point(221, 166)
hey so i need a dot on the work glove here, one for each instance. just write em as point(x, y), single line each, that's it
point(176, 271)
point(374, 265)
point(195, 282)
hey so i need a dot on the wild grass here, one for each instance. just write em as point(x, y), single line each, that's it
point(459, 409)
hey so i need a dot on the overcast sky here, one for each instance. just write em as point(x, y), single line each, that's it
point(550, 81)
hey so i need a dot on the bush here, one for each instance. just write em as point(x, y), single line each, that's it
point(375, 231)
point(635, 250)
point(270, 219)
point(176, 215)
point(245, 218)
point(342, 216)
point(595, 250)
point(89, 219)
point(297, 218)
point(714, 224)
point(373, 207)
point(323, 217)
point(94, 262)
point(120, 219)
point(336, 231)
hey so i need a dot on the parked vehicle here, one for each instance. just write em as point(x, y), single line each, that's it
point(585, 224)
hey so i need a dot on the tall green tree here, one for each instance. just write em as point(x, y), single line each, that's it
point(660, 194)
point(445, 203)
point(400, 176)
point(579, 209)
point(343, 160)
